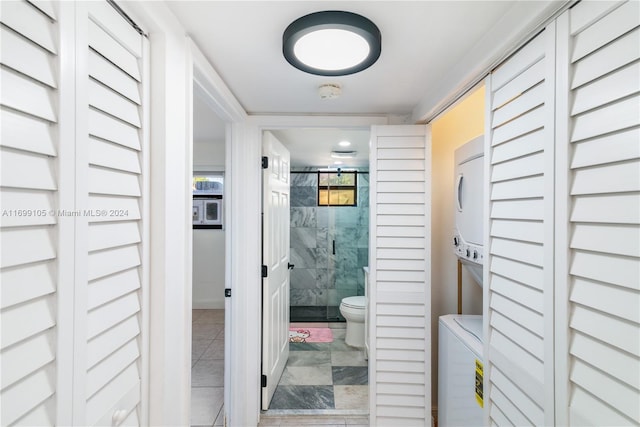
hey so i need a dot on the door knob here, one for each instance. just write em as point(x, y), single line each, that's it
point(290, 266)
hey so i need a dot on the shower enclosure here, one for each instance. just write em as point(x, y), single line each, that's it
point(329, 241)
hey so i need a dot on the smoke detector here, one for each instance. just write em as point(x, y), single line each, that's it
point(329, 91)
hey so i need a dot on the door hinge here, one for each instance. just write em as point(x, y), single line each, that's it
point(264, 271)
point(264, 381)
point(265, 162)
point(227, 292)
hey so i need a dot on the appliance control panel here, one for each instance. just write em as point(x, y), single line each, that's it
point(467, 251)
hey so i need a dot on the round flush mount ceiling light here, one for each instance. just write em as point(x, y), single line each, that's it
point(332, 43)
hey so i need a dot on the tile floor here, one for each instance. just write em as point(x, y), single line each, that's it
point(331, 374)
point(207, 367)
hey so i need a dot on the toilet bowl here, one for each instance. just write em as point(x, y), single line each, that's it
point(353, 309)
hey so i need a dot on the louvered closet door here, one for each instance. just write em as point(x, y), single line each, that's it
point(599, 58)
point(399, 282)
point(110, 164)
point(518, 292)
point(29, 229)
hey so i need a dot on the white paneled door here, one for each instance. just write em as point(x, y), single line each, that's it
point(275, 256)
point(74, 223)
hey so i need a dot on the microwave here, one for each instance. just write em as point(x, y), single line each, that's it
point(207, 212)
point(208, 184)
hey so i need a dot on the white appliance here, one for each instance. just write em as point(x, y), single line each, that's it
point(208, 184)
point(207, 212)
point(460, 370)
point(469, 200)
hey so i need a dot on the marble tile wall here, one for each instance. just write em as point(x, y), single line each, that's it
point(321, 278)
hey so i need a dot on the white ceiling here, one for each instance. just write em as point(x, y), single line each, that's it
point(429, 50)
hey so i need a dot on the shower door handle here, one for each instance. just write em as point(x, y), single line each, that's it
point(334, 247)
point(290, 266)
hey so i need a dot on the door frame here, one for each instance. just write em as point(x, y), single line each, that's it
point(250, 320)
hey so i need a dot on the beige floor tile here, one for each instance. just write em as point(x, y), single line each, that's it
point(206, 331)
point(208, 373)
point(205, 404)
point(351, 396)
point(214, 351)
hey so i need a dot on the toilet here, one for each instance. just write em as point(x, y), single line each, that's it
point(353, 310)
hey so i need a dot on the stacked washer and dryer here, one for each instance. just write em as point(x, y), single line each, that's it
point(460, 344)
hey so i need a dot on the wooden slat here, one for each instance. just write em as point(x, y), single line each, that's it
point(529, 122)
point(26, 170)
point(501, 401)
point(613, 208)
point(606, 29)
point(394, 242)
point(612, 87)
point(525, 102)
point(530, 297)
point(527, 231)
point(26, 395)
point(394, 309)
point(611, 178)
point(523, 273)
point(608, 238)
point(128, 206)
point(400, 253)
point(406, 220)
point(400, 142)
point(401, 165)
point(530, 253)
point(21, 208)
point(624, 302)
point(620, 365)
point(620, 334)
point(128, 402)
point(109, 181)
point(524, 145)
point(41, 415)
point(401, 175)
point(108, 47)
point(40, 277)
point(590, 12)
point(29, 59)
point(113, 156)
point(527, 318)
point(401, 322)
point(111, 287)
point(26, 95)
point(28, 21)
point(402, 355)
point(614, 117)
point(620, 271)
point(531, 209)
point(22, 246)
point(390, 231)
point(106, 343)
point(403, 276)
point(528, 79)
point(107, 100)
point(401, 153)
point(112, 261)
point(610, 148)
point(26, 133)
point(111, 129)
point(106, 316)
point(530, 54)
point(101, 374)
point(614, 393)
point(113, 77)
point(110, 20)
point(24, 359)
point(519, 168)
point(586, 409)
point(524, 188)
point(403, 389)
point(403, 297)
point(113, 234)
point(401, 198)
point(27, 320)
point(533, 412)
point(619, 53)
point(519, 335)
point(404, 186)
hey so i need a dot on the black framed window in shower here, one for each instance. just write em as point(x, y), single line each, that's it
point(337, 188)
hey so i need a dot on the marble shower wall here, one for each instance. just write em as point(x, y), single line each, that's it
point(321, 278)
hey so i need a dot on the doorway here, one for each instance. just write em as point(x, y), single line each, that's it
point(329, 220)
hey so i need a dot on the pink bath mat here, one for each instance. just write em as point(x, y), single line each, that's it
point(308, 335)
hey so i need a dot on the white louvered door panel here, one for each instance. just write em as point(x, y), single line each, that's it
point(28, 227)
point(518, 292)
point(112, 161)
point(599, 253)
point(399, 280)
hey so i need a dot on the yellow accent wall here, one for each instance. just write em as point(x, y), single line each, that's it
point(452, 129)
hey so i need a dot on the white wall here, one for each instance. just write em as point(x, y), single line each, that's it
point(208, 245)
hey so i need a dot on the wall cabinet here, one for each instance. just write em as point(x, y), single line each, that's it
point(562, 300)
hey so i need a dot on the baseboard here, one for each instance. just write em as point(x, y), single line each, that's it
point(207, 304)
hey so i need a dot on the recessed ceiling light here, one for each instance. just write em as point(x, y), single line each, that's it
point(332, 43)
point(343, 154)
point(344, 143)
point(337, 162)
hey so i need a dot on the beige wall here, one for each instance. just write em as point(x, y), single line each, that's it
point(460, 124)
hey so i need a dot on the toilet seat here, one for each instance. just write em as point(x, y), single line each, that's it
point(354, 302)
